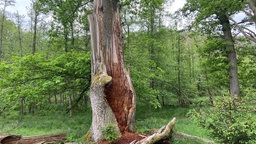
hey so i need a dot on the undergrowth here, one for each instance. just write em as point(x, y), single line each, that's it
point(150, 118)
point(147, 119)
point(54, 122)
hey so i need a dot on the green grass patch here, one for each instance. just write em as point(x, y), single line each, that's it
point(55, 122)
point(147, 119)
point(186, 141)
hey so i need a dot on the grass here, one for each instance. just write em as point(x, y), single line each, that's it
point(187, 141)
point(54, 122)
point(147, 118)
point(156, 118)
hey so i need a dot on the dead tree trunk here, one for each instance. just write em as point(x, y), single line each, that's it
point(111, 94)
point(160, 136)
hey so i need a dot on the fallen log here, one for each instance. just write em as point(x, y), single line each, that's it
point(161, 135)
point(44, 139)
point(9, 139)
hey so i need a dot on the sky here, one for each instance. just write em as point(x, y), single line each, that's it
point(21, 6)
point(177, 4)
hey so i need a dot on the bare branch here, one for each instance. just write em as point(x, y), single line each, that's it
point(242, 30)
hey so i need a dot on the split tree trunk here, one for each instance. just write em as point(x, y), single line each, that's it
point(111, 94)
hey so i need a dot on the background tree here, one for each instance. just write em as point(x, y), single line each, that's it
point(5, 4)
point(19, 20)
point(65, 15)
point(214, 15)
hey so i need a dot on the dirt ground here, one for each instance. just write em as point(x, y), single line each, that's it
point(126, 138)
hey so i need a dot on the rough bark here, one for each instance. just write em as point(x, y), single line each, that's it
point(102, 114)
point(234, 88)
point(112, 95)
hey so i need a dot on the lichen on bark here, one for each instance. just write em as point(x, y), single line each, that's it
point(102, 114)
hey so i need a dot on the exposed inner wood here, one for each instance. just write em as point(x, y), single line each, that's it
point(107, 48)
point(162, 134)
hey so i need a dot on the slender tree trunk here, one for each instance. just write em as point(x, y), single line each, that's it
point(1, 33)
point(152, 48)
point(35, 35)
point(55, 99)
point(112, 95)
point(70, 105)
point(20, 41)
point(21, 108)
point(72, 35)
point(181, 99)
point(19, 21)
point(66, 41)
point(208, 88)
point(234, 88)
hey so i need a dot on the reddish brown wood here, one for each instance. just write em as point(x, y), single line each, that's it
point(107, 49)
point(17, 139)
point(126, 138)
point(120, 94)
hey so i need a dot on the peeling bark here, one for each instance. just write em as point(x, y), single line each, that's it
point(112, 95)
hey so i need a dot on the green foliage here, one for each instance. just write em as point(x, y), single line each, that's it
point(156, 118)
point(186, 141)
point(35, 78)
point(155, 75)
point(64, 27)
point(110, 133)
point(208, 13)
point(228, 122)
point(52, 123)
point(214, 65)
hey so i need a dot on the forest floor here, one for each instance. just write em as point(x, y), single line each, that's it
point(148, 119)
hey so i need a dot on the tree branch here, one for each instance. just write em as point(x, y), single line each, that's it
point(242, 30)
point(162, 134)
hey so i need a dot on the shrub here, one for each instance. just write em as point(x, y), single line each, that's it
point(110, 133)
point(228, 121)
